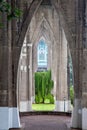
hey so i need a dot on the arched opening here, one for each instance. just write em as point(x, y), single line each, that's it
point(64, 24)
point(44, 99)
point(49, 51)
point(42, 55)
point(62, 103)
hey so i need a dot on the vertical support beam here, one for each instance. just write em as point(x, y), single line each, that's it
point(28, 58)
point(77, 67)
point(54, 65)
point(29, 75)
point(68, 71)
point(34, 69)
point(84, 69)
point(57, 102)
point(68, 75)
point(77, 57)
point(8, 109)
point(24, 84)
point(62, 103)
point(26, 81)
point(4, 107)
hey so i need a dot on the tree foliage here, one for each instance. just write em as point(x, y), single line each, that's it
point(11, 12)
point(72, 95)
point(43, 86)
point(71, 70)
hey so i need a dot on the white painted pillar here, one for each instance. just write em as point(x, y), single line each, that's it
point(84, 119)
point(25, 106)
point(9, 118)
point(62, 106)
point(62, 103)
point(84, 111)
point(84, 87)
point(77, 115)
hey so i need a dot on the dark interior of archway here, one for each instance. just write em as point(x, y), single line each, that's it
point(46, 2)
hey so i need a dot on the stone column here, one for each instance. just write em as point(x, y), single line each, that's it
point(34, 69)
point(58, 75)
point(68, 75)
point(29, 75)
point(77, 68)
point(84, 70)
point(77, 60)
point(84, 91)
point(25, 87)
point(62, 103)
point(9, 115)
point(54, 66)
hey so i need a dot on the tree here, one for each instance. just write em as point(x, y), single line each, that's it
point(11, 12)
point(43, 86)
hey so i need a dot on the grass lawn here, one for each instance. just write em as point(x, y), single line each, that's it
point(43, 107)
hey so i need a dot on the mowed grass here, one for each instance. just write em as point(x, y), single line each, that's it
point(43, 107)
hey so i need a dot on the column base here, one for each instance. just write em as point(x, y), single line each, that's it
point(33, 99)
point(84, 119)
point(25, 106)
point(77, 115)
point(9, 118)
point(63, 106)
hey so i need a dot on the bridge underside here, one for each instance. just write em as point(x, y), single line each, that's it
point(63, 24)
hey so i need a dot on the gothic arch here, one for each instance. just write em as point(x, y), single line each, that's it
point(39, 34)
point(29, 14)
point(39, 30)
point(65, 21)
point(75, 30)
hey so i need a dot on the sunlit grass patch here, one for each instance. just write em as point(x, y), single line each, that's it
point(43, 107)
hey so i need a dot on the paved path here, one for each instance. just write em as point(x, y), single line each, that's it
point(45, 122)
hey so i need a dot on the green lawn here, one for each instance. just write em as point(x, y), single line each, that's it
point(43, 107)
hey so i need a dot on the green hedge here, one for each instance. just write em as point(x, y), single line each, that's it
point(43, 87)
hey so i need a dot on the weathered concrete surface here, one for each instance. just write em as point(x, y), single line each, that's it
point(45, 122)
point(73, 17)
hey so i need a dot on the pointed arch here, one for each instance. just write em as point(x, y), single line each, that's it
point(42, 51)
point(70, 32)
point(29, 14)
point(38, 33)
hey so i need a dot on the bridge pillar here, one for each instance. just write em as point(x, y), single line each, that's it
point(9, 113)
point(25, 77)
point(77, 109)
point(62, 103)
point(84, 91)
